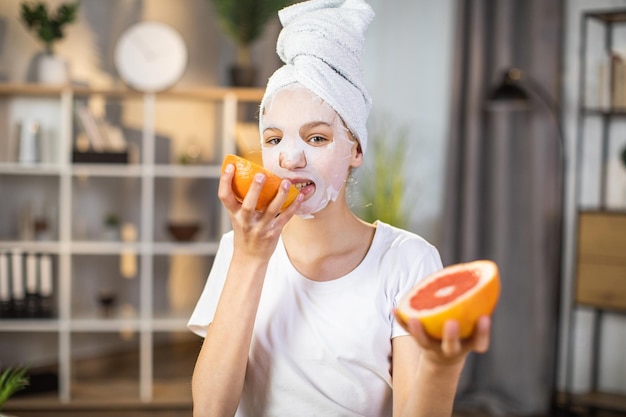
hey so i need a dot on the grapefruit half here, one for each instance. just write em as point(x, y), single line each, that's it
point(463, 292)
point(245, 171)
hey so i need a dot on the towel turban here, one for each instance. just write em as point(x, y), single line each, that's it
point(321, 45)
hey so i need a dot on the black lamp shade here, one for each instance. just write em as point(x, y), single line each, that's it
point(509, 94)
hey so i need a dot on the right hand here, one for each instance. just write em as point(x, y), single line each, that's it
point(256, 233)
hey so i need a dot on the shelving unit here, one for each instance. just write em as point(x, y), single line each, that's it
point(600, 259)
point(154, 306)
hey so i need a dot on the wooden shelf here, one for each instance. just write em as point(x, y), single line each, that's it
point(604, 112)
point(601, 400)
point(613, 16)
point(189, 93)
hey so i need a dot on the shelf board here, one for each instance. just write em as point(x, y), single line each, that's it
point(99, 324)
point(186, 248)
point(595, 399)
point(30, 89)
point(596, 111)
point(92, 247)
point(188, 171)
point(252, 95)
point(109, 396)
point(106, 170)
point(29, 325)
point(170, 324)
point(86, 247)
point(95, 324)
point(30, 246)
point(165, 171)
point(38, 169)
point(614, 16)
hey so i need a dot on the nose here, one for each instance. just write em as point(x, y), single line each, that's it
point(292, 159)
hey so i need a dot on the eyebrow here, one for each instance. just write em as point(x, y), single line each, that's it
point(308, 125)
point(312, 125)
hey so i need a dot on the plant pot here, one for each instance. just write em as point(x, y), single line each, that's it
point(51, 69)
point(242, 76)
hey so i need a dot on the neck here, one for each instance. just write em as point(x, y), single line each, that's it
point(328, 230)
point(329, 245)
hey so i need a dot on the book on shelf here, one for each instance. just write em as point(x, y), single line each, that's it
point(90, 127)
point(26, 289)
point(101, 135)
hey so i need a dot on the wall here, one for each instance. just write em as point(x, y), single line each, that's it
point(613, 361)
point(408, 67)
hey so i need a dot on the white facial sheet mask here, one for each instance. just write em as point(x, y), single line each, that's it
point(327, 166)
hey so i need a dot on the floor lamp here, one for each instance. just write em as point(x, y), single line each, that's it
point(516, 92)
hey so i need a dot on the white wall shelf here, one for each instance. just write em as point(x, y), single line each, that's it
point(155, 304)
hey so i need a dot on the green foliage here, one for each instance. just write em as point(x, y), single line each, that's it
point(244, 20)
point(11, 381)
point(46, 24)
point(382, 184)
point(111, 220)
point(624, 157)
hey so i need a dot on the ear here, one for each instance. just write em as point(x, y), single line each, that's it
point(357, 155)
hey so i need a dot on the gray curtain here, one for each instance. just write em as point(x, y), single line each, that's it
point(502, 198)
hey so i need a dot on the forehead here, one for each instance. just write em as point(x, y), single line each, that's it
point(296, 104)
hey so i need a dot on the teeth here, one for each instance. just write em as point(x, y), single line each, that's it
point(301, 185)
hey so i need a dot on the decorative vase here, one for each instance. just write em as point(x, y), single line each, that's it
point(51, 69)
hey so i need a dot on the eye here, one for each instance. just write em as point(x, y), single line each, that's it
point(317, 140)
point(272, 141)
point(272, 136)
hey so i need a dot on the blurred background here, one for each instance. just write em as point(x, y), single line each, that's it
point(498, 124)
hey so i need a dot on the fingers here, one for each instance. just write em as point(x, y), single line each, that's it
point(451, 342)
point(252, 196)
point(451, 347)
point(224, 191)
point(480, 342)
point(280, 219)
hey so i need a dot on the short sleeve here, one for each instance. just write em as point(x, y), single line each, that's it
point(425, 265)
point(205, 308)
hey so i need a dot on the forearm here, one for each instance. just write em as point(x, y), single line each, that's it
point(220, 369)
point(433, 390)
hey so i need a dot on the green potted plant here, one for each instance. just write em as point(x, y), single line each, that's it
point(48, 26)
point(244, 21)
point(12, 380)
point(381, 182)
point(111, 227)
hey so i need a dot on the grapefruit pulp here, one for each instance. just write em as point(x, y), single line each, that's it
point(463, 292)
point(245, 171)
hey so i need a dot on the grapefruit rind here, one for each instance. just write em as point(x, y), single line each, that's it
point(466, 309)
point(246, 168)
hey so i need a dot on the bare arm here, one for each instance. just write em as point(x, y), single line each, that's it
point(426, 372)
point(220, 369)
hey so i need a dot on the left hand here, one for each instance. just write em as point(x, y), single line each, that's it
point(451, 349)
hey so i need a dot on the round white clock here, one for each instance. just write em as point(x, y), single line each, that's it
point(150, 56)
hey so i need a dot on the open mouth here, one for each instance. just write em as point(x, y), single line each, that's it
point(304, 186)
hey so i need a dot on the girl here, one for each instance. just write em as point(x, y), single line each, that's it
point(297, 313)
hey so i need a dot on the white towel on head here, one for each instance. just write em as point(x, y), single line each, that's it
point(321, 44)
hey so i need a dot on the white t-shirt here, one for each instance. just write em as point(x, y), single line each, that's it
point(324, 348)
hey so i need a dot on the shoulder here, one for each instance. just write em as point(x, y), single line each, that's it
point(404, 257)
point(401, 242)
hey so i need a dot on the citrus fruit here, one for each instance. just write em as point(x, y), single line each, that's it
point(462, 292)
point(245, 171)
